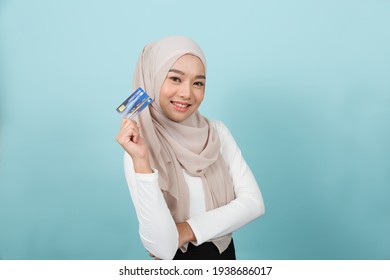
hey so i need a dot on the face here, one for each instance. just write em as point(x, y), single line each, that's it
point(183, 89)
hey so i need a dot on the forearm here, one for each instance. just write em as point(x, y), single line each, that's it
point(226, 219)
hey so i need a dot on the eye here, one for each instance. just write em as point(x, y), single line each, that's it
point(199, 84)
point(175, 79)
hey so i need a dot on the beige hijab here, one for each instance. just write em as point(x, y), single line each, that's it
point(192, 145)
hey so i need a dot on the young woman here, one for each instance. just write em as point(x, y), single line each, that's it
point(189, 183)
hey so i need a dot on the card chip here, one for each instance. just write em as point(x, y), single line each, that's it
point(121, 108)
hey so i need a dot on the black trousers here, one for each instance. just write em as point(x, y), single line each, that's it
point(206, 251)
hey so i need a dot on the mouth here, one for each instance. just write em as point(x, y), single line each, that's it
point(180, 106)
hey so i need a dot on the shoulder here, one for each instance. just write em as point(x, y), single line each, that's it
point(223, 133)
point(219, 126)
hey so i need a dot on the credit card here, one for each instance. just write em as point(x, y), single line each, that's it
point(134, 104)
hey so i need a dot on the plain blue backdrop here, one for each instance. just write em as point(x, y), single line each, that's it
point(304, 87)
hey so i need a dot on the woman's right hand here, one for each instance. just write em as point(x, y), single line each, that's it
point(130, 139)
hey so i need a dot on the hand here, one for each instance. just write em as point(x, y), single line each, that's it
point(185, 233)
point(130, 139)
point(153, 256)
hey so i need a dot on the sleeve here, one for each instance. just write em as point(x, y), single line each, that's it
point(248, 204)
point(157, 228)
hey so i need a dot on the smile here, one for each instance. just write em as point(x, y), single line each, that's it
point(180, 106)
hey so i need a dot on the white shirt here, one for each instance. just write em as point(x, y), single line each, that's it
point(157, 228)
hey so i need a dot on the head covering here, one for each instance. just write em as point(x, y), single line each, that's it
point(191, 145)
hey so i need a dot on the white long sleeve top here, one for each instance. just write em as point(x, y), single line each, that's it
point(157, 228)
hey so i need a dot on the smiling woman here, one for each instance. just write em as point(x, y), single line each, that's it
point(183, 89)
point(189, 184)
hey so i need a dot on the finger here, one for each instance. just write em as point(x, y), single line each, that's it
point(123, 122)
point(130, 129)
point(133, 134)
point(126, 122)
point(133, 122)
point(135, 139)
point(127, 137)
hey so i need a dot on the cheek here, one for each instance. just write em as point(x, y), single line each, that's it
point(199, 97)
point(168, 89)
point(164, 94)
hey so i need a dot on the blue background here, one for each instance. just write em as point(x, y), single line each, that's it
point(304, 87)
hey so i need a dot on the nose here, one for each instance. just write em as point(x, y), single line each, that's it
point(185, 91)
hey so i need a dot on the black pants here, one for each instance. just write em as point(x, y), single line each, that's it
point(206, 251)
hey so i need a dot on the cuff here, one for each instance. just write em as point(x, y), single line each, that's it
point(148, 177)
point(196, 231)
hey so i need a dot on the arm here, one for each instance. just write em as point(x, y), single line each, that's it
point(247, 205)
point(157, 229)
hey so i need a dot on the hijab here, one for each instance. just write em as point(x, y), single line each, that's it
point(192, 146)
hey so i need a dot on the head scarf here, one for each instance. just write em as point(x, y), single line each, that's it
point(191, 145)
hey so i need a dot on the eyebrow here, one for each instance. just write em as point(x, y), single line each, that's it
point(182, 73)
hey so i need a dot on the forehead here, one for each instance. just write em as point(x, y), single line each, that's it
point(189, 63)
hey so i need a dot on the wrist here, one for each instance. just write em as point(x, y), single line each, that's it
point(142, 166)
point(192, 236)
point(187, 233)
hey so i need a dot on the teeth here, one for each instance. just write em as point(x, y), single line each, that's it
point(180, 105)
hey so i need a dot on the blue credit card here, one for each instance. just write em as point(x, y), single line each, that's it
point(134, 104)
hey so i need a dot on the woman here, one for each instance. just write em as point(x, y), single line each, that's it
point(189, 184)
